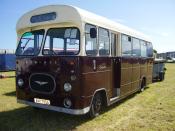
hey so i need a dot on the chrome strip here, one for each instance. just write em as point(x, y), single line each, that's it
point(130, 83)
point(139, 66)
point(136, 67)
point(124, 68)
point(55, 108)
point(116, 99)
point(95, 72)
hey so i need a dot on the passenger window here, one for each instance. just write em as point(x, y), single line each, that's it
point(143, 49)
point(149, 50)
point(91, 43)
point(126, 45)
point(104, 42)
point(136, 51)
point(113, 44)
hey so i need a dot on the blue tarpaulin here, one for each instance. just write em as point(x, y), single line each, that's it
point(7, 62)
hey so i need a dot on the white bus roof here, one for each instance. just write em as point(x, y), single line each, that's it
point(71, 14)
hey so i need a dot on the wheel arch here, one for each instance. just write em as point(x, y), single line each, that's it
point(103, 94)
point(142, 78)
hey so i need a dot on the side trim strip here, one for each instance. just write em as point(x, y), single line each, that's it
point(112, 101)
point(130, 83)
point(96, 72)
point(54, 108)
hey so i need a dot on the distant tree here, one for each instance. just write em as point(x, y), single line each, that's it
point(155, 51)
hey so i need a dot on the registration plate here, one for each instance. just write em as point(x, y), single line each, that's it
point(42, 101)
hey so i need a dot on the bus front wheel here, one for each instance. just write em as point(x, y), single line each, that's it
point(96, 106)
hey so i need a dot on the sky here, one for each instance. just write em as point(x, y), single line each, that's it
point(155, 18)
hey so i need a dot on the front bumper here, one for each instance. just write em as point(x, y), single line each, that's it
point(55, 108)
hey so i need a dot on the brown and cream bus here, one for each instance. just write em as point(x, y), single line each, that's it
point(73, 61)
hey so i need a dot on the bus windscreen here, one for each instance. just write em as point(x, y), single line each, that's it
point(62, 41)
point(30, 43)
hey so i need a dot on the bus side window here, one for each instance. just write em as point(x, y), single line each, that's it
point(104, 47)
point(113, 44)
point(126, 45)
point(91, 43)
point(143, 48)
point(136, 51)
point(149, 50)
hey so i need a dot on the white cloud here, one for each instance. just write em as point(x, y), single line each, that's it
point(165, 34)
point(154, 32)
point(162, 38)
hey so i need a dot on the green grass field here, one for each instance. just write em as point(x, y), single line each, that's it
point(153, 109)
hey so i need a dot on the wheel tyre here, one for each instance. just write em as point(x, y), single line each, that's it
point(142, 88)
point(96, 106)
point(161, 76)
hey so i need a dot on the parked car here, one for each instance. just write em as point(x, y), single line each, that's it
point(170, 60)
point(159, 69)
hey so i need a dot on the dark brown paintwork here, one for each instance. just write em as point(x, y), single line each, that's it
point(60, 68)
point(135, 78)
point(110, 73)
point(149, 70)
point(126, 73)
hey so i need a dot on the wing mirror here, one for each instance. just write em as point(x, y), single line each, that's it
point(93, 33)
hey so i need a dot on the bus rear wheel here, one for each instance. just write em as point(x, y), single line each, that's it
point(143, 84)
point(96, 106)
point(161, 76)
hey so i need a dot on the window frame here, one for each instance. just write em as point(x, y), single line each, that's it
point(95, 38)
point(99, 41)
point(44, 31)
point(150, 44)
point(141, 48)
point(139, 44)
point(113, 45)
point(122, 46)
point(64, 45)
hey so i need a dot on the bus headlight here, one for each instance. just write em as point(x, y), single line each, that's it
point(67, 87)
point(20, 82)
point(67, 103)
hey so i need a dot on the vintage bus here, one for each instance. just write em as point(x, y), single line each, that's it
point(73, 61)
